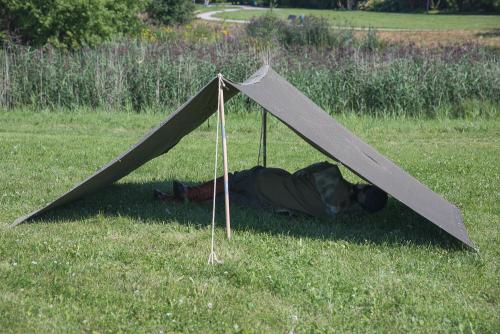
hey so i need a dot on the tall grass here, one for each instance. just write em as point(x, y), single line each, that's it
point(163, 74)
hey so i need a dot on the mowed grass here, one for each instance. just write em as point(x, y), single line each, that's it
point(118, 261)
point(199, 8)
point(364, 19)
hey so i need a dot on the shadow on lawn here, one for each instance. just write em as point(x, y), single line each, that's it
point(395, 225)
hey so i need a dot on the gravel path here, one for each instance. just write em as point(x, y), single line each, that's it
point(209, 16)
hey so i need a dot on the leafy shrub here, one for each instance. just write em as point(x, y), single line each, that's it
point(312, 31)
point(266, 27)
point(171, 11)
point(68, 23)
point(391, 5)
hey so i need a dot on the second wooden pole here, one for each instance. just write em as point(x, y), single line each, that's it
point(224, 155)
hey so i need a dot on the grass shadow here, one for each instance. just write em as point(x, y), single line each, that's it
point(396, 225)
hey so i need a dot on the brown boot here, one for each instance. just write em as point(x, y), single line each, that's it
point(199, 193)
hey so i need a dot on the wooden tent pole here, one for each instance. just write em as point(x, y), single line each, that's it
point(264, 137)
point(224, 155)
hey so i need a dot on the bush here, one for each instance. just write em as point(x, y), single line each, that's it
point(68, 23)
point(171, 11)
point(392, 5)
point(312, 31)
point(266, 27)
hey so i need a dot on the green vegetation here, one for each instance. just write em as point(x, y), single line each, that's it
point(67, 24)
point(72, 24)
point(382, 20)
point(171, 11)
point(312, 32)
point(403, 80)
point(118, 261)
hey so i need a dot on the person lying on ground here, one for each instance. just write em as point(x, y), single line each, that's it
point(318, 190)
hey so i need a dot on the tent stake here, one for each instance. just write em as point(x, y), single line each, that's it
point(264, 137)
point(224, 155)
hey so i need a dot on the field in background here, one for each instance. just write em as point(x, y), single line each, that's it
point(119, 261)
point(420, 29)
point(489, 38)
point(202, 9)
point(364, 19)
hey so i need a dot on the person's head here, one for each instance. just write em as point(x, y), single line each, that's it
point(371, 198)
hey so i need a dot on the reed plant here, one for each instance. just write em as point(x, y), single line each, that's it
point(161, 74)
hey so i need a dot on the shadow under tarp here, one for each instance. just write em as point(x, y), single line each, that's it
point(300, 114)
point(396, 225)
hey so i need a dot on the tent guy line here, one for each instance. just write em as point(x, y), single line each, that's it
point(279, 98)
point(212, 258)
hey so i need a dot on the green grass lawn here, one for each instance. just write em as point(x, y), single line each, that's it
point(383, 20)
point(120, 262)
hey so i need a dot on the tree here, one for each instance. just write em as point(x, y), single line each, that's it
point(68, 23)
point(171, 11)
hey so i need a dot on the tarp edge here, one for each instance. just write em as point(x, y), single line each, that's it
point(50, 205)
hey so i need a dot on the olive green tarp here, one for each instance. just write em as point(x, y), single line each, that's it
point(305, 118)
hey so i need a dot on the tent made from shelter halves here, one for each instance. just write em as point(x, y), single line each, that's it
point(299, 113)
